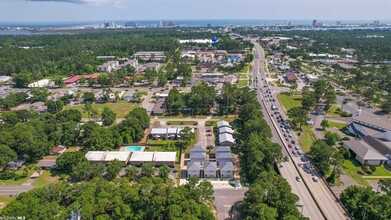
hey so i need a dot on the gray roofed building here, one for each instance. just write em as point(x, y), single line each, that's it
point(193, 169)
point(226, 169)
point(223, 157)
point(222, 124)
point(365, 153)
point(197, 156)
point(46, 163)
point(198, 149)
point(222, 149)
point(210, 169)
point(225, 129)
point(226, 139)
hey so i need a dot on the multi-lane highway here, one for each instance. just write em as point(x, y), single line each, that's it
point(316, 201)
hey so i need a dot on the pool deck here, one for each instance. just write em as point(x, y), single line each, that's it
point(123, 148)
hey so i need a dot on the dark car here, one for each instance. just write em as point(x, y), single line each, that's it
point(293, 142)
point(289, 145)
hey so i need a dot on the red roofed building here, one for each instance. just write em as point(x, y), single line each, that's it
point(291, 77)
point(58, 150)
point(76, 79)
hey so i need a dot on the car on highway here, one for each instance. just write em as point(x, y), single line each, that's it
point(298, 179)
point(296, 148)
point(287, 139)
point(289, 135)
point(315, 179)
point(289, 145)
point(294, 152)
point(299, 152)
point(284, 135)
point(287, 158)
point(293, 142)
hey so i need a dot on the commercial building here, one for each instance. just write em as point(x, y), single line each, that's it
point(365, 153)
point(158, 158)
point(153, 66)
point(150, 55)
point(108, 66)
point(41, 83)
point(107, 156)
point(77, 78)
point(291, 77)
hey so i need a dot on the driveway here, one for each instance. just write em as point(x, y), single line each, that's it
point(225, 198)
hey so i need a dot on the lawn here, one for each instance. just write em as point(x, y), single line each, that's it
point(350, 168)
point(380, 171)
point(20, 181)
point(5, 200)
point(120, 108)
point(211, 123)
point(307, 138)
point(242, 83)
point(333, 111)
point(227, 119)
point(337, 125)
point(182, 123)
point(46, 178)
point(289, 100)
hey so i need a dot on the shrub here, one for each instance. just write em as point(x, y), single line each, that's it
point(369, 172)
point(372, 168)
point(63, 176)
point(168, 123)
point(195, 123)
point(7, 175)
point(360, 172)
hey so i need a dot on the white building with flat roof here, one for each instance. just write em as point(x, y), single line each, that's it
point(167, 158)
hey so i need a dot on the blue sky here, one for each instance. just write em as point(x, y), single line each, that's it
point(98, 10)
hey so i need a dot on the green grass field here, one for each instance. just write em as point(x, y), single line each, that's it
point(289, 100)
point(337, 125)
point(182, 123)
point(120, 108)
point(47, 178)
point(350, 168)
point(242, 83)
point(333, 111)
point(307, 138)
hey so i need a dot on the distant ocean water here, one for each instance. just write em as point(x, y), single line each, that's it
point(190, 23)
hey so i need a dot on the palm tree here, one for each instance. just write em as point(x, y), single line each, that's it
point(88, 108)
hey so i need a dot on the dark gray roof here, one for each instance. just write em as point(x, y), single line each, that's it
point(223, 155)
point(197, 155)
point(197, 149)
point(222, 149)
point(377, 145)
point(194, 166)
point(226, 166)
point(210, 166)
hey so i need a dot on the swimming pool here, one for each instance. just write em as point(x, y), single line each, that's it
point(132, 148)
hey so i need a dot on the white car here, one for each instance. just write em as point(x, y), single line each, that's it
point(298, 179)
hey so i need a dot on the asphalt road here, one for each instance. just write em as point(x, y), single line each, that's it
point(13, 190)
point(225, 199)
point(322, 199)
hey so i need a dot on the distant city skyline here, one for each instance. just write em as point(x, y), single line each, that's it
point(98, 10)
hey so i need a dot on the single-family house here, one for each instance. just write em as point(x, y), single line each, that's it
point(16, 164)
point(197, 156)
point(226, 139)
point(225, 129)
point(223, 157)
point(58, 150)
point(46, 163)
point(226, 170)
point(210, 169)
point(194, 169)
point(221, 124)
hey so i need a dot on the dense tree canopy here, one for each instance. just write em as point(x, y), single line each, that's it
point(100, 199)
